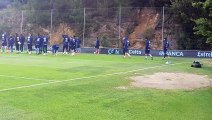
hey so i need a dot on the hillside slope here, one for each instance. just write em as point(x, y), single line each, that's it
point(148, 20)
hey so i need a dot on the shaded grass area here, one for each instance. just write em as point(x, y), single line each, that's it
point(96, 98)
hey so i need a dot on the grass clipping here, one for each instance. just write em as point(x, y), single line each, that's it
point(183, 81)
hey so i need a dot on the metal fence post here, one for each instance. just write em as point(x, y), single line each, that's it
point(84, 30)
point(51, 25)
point(119, 26)
point(163, 26)
point(22, 19)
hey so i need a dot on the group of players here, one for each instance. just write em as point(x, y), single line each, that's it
point(70, 44)
point(126, 44)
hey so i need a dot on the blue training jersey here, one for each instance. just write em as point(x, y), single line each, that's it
point(30, 40)
point(38, 41)
point(148, 44)
point(165, 44)
point(73, 43)
point(22, 39)
point(4, 39)
point(78, 42)
point(45, 40)
point(126, 43)
point(65, 40)
point(11, 41)
point(55, 47)
point(97, 43)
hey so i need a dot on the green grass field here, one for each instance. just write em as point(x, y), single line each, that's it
point(83, 87)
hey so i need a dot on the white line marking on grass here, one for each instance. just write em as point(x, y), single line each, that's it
point(104, 75)
point(27, 78)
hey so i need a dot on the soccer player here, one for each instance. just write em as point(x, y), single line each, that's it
point(78, 45)
point(72, 45)
point(29, 43)
point(55, 48)
point(165, 48)
point(4, 43)
point(66, 41)
point(45, 43)
point(147, 48)
point(41, 45)
point(11, 43)
point(97, 46)
point(17, 42)
point(22, 40)
point(37, 44)
point(126, 45)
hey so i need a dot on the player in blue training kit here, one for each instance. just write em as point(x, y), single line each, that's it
point(147, 48)
point(41, 45)
point(55, 48)
point(17, 42)
point(66, 41)
point(78, 45)
point(22, 40)
point(11, 43)
point(4, 43)
point(97, 46)
point(45, 44)
point(37, 44)
point(165, 47)
point(126, 45)
point(29, 43)
point(72, 45)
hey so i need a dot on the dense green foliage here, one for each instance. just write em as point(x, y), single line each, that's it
point(185, 15)
point(204, 23)
point(84, 87)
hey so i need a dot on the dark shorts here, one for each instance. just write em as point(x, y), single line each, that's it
point(165, 52)
point(125, 51)
point(30, 47)
point(10, 46)
point(147, 51)
point(45, 47)
point(37, 46)
point(65, 47)
point(4, 44)
point(72, 48)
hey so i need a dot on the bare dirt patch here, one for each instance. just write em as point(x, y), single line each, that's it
point(171, 81)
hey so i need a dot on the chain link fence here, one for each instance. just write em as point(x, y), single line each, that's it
point(109, 24)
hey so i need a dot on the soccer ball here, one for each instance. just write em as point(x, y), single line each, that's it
point(94, 52)
point(167, 62)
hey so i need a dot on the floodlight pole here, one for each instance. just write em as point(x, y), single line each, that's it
point(22, 19)
point(51, 25)
point(163, 26)
point(84, 30)
point(119, 24)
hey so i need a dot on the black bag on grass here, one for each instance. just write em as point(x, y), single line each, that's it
point(196, 64)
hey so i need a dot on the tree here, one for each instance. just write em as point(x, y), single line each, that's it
point(185, 13)
point(203, 23)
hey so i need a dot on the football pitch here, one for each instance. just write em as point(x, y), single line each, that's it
point(86, 87)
